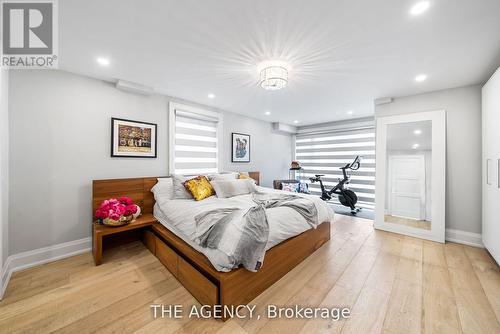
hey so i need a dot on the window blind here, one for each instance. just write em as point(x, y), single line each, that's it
point(325, 152)
point(196, 144)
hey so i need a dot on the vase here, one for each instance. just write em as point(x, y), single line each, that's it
point(124, 220)
point(138, 213)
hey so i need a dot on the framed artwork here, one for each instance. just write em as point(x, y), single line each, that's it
point(240, 147)
point(133, 139)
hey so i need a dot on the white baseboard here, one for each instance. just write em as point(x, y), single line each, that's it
point(464, 237)
point(40, 256)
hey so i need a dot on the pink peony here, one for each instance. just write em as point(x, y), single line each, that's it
point(126, 200)
point(130, 210)
point(114, 216)
point(116, 208)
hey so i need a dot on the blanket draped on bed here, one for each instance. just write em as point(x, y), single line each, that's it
point(243, 235)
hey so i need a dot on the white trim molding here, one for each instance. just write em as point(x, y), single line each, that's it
point(464, 237)
point(40, 256)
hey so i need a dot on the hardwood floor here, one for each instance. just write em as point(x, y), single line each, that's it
point(392, 283)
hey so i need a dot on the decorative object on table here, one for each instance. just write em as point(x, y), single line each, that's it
point(295, 171)
point(303, 187)
point(117, 212)
point(240, 147)
point(293, 187)
point(133, 139)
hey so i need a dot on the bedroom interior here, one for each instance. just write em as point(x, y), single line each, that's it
point(242, 167)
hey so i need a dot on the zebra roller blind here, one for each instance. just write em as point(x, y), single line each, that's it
point(324, 153)
point(196, 149)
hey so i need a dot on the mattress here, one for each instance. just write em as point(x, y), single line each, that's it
point(177, 215)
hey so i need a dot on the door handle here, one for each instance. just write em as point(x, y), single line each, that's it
point(488, 172)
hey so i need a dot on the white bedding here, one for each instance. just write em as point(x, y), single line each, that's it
point(178, 216)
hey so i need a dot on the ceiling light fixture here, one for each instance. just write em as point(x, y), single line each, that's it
point(420, 77)
point(267, 113)
point(419, 8)
point(415, 146)
point(103, 61)
point(350, 112)
point(296, 122)
point(273, 74)
point(211, 96)
point(417, 132)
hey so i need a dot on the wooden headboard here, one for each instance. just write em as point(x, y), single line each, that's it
point(138, 189)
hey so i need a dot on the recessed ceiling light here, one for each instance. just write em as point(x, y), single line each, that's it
point(419, 8)
point(296, 122)
point(103, 61)
point(417, 132)
point(267, 113)
point(211, 96)
point(415, 146)
point(350, 112)
point(420, 77)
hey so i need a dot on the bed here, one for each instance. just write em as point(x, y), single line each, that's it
point(212, 282)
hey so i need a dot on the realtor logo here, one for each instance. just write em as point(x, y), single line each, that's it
point(29, 34)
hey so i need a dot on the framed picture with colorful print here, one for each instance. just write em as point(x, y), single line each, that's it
point(133, 139)
point(240, 147)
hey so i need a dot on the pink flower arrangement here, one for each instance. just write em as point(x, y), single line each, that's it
point(116, 209)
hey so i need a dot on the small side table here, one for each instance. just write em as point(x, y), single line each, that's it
point(99, 231)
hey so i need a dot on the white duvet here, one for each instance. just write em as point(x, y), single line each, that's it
point(178, 215)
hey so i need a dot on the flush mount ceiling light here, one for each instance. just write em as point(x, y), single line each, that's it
point(350, 112)
point(296, 122)
point(417, 132)
point(267, 113)
point(273, 74)
point(419, 8)
point(211, 96)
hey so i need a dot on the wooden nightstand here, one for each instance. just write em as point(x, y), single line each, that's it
point(100, 231)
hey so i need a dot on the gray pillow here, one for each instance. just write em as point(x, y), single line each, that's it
point(230, 188)
point(180, 192)
point(164, 188)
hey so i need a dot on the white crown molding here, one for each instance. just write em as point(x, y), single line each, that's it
point(464, 237)
point(40, 256)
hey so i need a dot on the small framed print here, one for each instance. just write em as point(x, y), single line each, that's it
point(240, 147)
point(133, 139)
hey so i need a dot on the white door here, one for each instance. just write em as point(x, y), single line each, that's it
point(407, 186)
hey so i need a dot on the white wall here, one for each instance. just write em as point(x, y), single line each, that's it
point(4, 168)
point(60, 142)
point(463, 144)
point(267, 148)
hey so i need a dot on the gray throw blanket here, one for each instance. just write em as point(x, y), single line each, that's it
point(243, 235)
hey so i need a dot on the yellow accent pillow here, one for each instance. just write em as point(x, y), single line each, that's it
point(244, 176)
point(199, 187)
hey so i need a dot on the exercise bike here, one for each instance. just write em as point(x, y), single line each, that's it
point(346, 196)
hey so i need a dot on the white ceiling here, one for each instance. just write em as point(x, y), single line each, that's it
point(343, 53)
point(401, 136)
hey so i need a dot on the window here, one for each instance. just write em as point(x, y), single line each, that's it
point(195, 140)
point(325, 152)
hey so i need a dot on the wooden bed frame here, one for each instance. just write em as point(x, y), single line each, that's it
point(193, 269)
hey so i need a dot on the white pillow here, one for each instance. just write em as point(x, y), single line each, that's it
point(180, 192)
point(223, 176)
point(164, 188)
point(230, 188)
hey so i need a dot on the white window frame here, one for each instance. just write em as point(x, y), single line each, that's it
point(173, 106)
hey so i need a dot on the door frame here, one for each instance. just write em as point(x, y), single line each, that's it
point(438, 174)
point(421, 158)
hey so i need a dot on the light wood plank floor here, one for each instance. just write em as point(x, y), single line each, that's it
point(393, 284)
